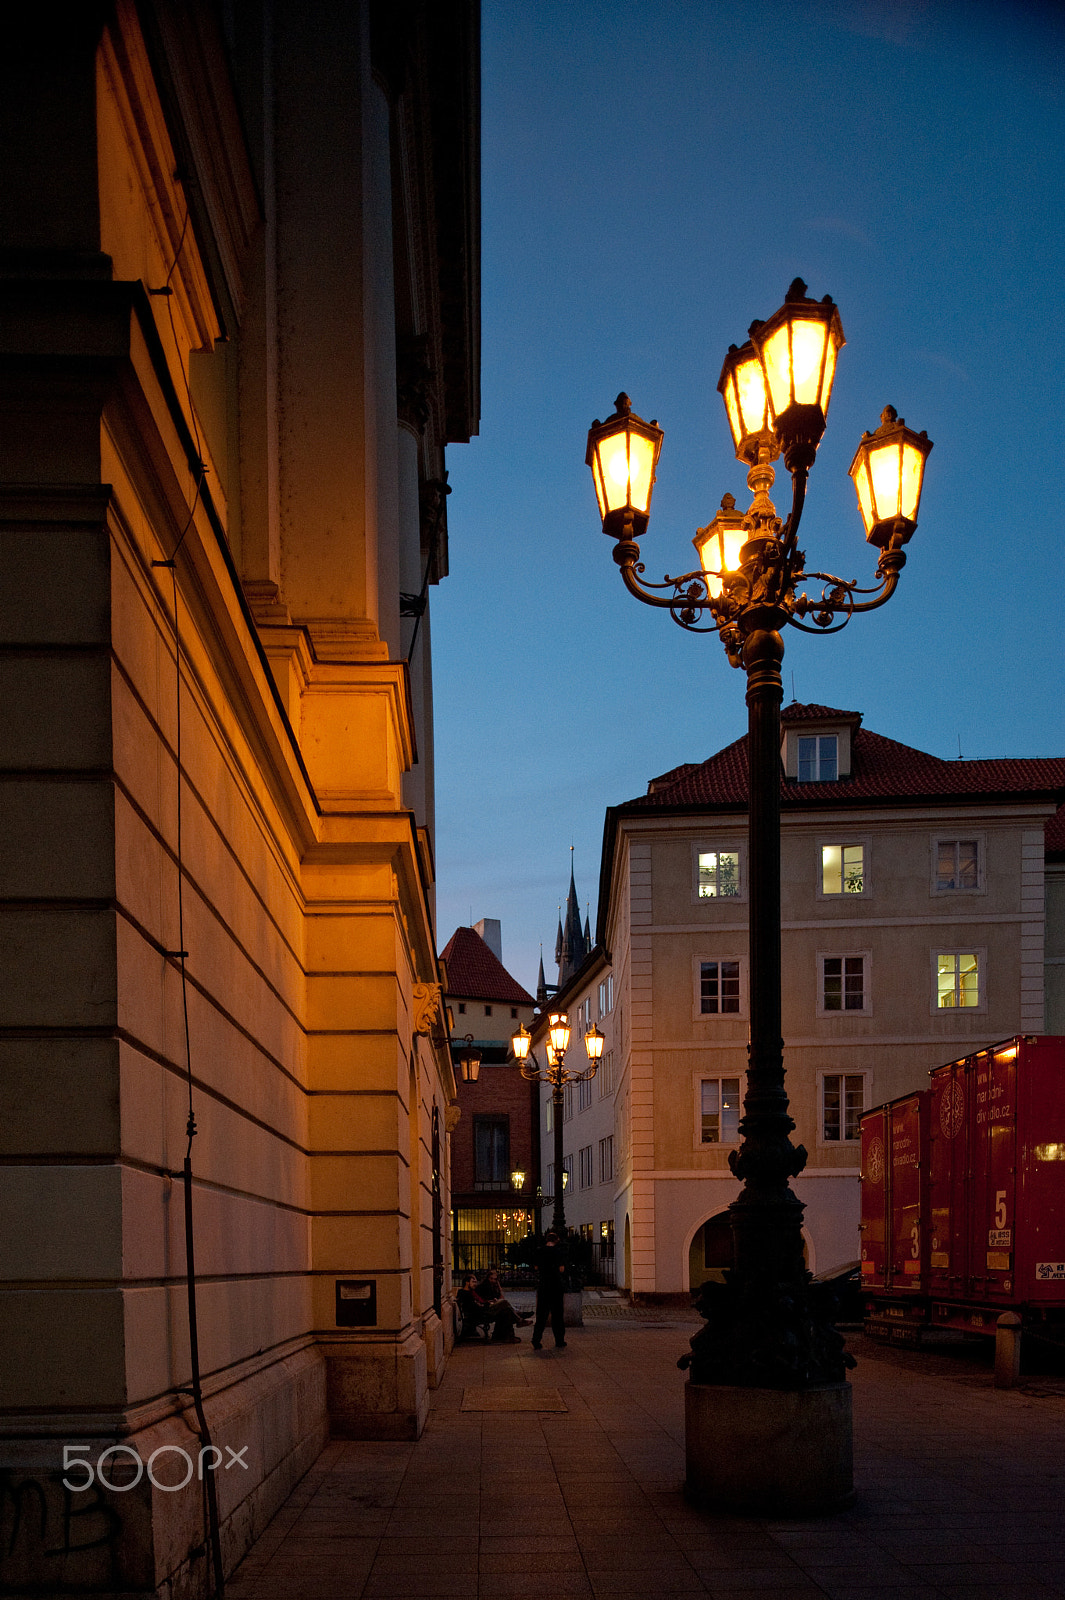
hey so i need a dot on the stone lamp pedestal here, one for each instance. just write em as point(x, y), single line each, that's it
point(780, 1452)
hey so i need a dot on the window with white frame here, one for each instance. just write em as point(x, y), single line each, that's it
point(842, 1104)
point(842, 869)
point(818, 757)
point(718, 874)
point(957, 978)
point(719, 1111)
point(606, 995)
point(844, 983)
point(958, 866)
point(718, 987)
point(567, 1102)
point(585, 1169)
point(605, 1076)
point(606, 1158)
point(584, 1094)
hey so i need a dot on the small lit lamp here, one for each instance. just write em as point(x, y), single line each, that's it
point(520, 1043)
point(742, 387)
point(558, 1031)
point(469, 1060)
point(593, 1043)
point(623, 453)
point(719, 544)
point(517, 1179)
point(797, 348)
point(888, 473)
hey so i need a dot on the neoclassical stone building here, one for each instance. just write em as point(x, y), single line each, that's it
point(239, 323)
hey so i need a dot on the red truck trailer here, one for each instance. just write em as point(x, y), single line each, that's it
point(894, 1250)
point(963, 1195)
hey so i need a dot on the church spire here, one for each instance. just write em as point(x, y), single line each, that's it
point(574, 942)
point(541, 983)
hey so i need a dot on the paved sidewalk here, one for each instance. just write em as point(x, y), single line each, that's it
point(960, 1490)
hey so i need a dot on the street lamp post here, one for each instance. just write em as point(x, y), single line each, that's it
point(555, 1074)
point(766, 1327)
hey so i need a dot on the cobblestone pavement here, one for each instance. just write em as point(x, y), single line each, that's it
point(960, 1489)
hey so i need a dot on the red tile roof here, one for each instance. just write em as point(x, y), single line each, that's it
point(881, 770)
point(474, 972)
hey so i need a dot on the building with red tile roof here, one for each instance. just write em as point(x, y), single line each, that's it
point(495, 1157)
point(923, 916)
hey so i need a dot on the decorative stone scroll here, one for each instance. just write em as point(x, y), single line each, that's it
point(426, 1006)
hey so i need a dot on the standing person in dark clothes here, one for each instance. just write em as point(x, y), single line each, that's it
point(550, 1291)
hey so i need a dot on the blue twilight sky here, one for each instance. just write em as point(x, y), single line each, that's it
point(654, 175)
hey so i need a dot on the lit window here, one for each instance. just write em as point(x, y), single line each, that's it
point(719, 874)
point(957, 979)
point(719, 987)
point(957, 864)
point(719, 1110)
point(842, 869)
point(818, 758)
point(842, 1104)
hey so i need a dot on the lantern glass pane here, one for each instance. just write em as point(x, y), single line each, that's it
point(597, 479)
point(807, 349)
point(776, 353)
point(751, 386)
point(830, 372)
point(641, 468)
point(614, 464)
point(732, 407)
point(885, 466)
point(865, 493)
point(912, 472)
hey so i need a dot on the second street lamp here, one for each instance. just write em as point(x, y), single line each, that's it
point(558, 1076)
point(766, 1328)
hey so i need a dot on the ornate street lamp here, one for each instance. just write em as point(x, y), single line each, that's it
point(766, 1327)
point(557, 1075)
point(469, 1060)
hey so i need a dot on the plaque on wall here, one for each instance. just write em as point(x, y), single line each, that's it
point(356, 1302)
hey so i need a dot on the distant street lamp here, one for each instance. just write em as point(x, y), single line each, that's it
point(517, 1179)
point(766, 1327)
point(555, 1073)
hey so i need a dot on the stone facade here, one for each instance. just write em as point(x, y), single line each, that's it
point(238, 278)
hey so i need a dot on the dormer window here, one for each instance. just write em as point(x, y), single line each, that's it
point(818, 757)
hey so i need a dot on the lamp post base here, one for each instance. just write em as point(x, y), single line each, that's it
point(775, 1452)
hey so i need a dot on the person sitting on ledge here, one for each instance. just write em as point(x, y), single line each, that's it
point(496, 1308)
